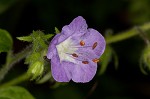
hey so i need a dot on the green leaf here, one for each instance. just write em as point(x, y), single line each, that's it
point(48, 36)
point(36, 35)
point(25, 38)
point(5, 41)
point(15, 92)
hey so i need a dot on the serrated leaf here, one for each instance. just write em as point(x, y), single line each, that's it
point(32, 58)
point(25, 38)
point(15, 92)
point(5, 41)
point(106, 57)
point(38, 40)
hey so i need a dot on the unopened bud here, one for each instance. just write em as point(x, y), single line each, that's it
point(36, 70)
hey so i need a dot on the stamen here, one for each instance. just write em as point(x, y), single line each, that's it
point(82, 43)
point(85, 62)
point(94, 45)
point(95, 60)
point(74, 55)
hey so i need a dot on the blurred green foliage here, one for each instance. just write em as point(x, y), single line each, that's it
point(139, 11)
point(145, 60)
point(15, 92)
point(6, 41)
point(6, 4)
point(106, 58)
point(39, 48)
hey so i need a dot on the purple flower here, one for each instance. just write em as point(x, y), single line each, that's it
point(75, 51)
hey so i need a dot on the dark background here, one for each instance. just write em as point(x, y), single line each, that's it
point(21, 17)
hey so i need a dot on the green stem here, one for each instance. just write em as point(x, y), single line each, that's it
point(12, 59)
point(17, 80)
point(127, 34)
point(112, 39)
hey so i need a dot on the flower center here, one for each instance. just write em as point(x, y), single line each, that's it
point(64, 49)
point(67, 51)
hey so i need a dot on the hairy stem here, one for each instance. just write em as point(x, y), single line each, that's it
point(127, 34)
point(17, 80)
point(12, 59)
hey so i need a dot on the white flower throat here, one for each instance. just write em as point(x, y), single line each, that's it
point(64, 48)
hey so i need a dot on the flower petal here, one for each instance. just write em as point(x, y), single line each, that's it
point(78, 23)
point(93, 36)
point(61, 71)
point(78, 26)
point(84, 72)
point(52, 47)
point(83, 45)
point(87, 53)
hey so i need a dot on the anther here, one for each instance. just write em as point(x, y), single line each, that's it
point(85, 62)
point(82, 43)
point(94, 45)
point(74, 55)
point(95, 60)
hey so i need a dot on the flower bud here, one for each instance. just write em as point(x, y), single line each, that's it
point(36, 69)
